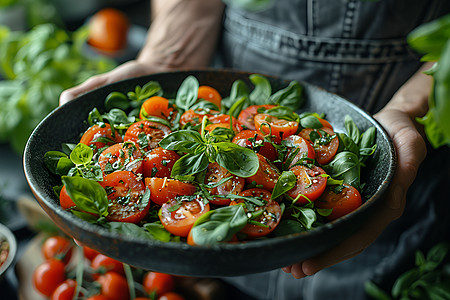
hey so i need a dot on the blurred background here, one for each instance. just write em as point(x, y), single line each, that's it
point(47, 46)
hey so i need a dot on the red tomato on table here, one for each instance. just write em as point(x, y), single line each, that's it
point(114, 286)
point(125, 194)
point(310, 184)
point(65, 291)
point(178, 215)
point(57, 247)
point(341, 202)
point(48, 276)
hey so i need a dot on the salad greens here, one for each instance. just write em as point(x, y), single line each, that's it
point(37, 66)
point(433, 40)
point(198, 147)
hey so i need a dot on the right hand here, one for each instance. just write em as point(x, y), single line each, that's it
point(129, 69)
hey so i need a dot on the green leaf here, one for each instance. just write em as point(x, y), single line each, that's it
point(239, 90)
point(158, 232)
point(352, 130)
point(81, 154)
point(262, 91)
point(404, 282)
point(237, 160)
point(348, 143)
point(436, 255)
point(88, 195)
point(236, 108)
point(345, 166)
point(182, 140)
point(285, 182)
point(375, 292)
point(129, 229)
point(219, 225)
point(288, 227)
point(117, 100)
point(190, 164)
point(306, 216)
point(291, 96)
point(310, 121)
point(187, 93)
point(51, 159)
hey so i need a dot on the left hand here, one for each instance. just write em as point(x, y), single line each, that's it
point(411, 150)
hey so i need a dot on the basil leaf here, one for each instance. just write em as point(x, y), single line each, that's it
point(88, 195)
point(182, 140)
point(285, 182)
point(118, 117)
point(94, 117)
point(116, 100)
point(306, 216)
point(190, 164)
point(81, 154)
point(288, 227)
point(239, 89)
point(64, 166)
point(283, 112)
point(129, 229)
point(219, 225)
point(158, 120)
point(352, 129)
point(310, 121)
point(158, 232)
point(51, 159)
point(262, 91)
point(187, 93)
point(345, 166)
point(237, 160)
point(291, 96)
point(236, 108)
point(348, 143)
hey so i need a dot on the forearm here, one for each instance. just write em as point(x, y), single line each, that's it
point(183, 33)
point(412, 97)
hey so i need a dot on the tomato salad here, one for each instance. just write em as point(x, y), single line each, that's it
point(202, 168)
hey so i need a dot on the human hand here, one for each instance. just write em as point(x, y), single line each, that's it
point(129, 69)
point(411, 151)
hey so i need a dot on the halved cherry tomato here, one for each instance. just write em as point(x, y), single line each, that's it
point(160, 283)
point(125, 193)
point(211, 127)
point(179, 221)
point(306, 150)
point(246, 116)
point(156, 106)
point(268, 216)
point(325, 123)
point(114, 286)
point(210, 94)
point(267, 174)
point(102, 264)
point(159, 162)
point(254, 140)
point(279, 128)
point(121, 156)
point(48, 276)
point(310, 184)
point(165, 189)
point(325, 146)
point(341, 202)
point(146, 134)
point(196, 117)
point(100, 136)
point(216, 173)
point(57, 247)
point(64, 200)
point(65, 291)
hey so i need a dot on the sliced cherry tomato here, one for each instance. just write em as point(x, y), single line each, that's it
point(146, 134)
point(268, 216)
point(164, 189)
point(160, 283)
point(121, 156)
point(100, 136)
point(156, 106)
point(114, 286)
point(325, 123)
point(341, 201)
point(246, 116)
point(267, 174)
point(48, 276)
point(64, 200)
point(254, 140)
point(216, 173)
point(279, 128)
point(57, 247)
point(211, 127)
point(196, 117)
point(171, 296)
point(179, 221)
point(125, 193)
point(65, 291)
point(325, 143)
point(310, 184)
point(210, 94)
point(306, 150)
point(102, 264)
point(159, 162)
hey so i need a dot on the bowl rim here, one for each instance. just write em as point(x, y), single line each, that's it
point(11, 239)
point(255, 244)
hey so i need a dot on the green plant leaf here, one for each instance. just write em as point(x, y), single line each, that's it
point(81, 154)
point(237, 160)
point(285, 182)
point(187, 93)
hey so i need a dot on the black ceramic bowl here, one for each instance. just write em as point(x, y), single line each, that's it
point(66, 122)
point(7, 236)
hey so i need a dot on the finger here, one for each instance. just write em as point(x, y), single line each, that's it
point(90, 84)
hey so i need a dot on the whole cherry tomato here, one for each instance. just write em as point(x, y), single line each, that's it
point(114, 286)
point(57, 247)
point(65, 291)
point(48, 276)
point(108, 30)
point(160, 283)
point(156, 106)
point(102, 264)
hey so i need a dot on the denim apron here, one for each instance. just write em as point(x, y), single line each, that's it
point(356, 49)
